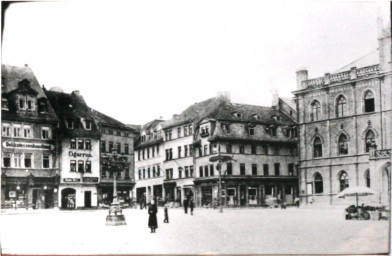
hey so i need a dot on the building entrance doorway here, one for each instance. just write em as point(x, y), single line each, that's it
point(242, 195)
point(87, 199)
point(48, 198)
point(68, 198)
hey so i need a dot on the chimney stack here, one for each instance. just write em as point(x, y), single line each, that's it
point(302, 75)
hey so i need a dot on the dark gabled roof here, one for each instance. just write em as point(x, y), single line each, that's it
point(22, 80)
point(152, 124)
point(136, 127)
point(105, 120)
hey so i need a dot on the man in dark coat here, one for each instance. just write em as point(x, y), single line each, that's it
point(191, 204)
point(185, 203)
point(152, 220)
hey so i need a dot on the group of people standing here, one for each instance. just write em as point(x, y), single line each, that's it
point(153, 210)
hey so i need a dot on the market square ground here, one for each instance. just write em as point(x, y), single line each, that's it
point(239, 231)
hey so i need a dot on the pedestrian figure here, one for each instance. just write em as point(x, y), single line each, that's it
point(166, 220)
point(191, 205)
point(141, 203)
point(185, 203)
point(152, 220)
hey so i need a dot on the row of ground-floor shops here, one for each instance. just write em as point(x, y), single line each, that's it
point(236, 191)
point(46, 193)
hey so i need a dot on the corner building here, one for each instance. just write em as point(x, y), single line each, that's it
point(30, 170)
point(344, 121)
point(78, 137)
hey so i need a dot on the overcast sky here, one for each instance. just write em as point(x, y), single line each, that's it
point(139, 60)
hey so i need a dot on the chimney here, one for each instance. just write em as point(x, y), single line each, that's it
point(302, 75)
point(225, 96)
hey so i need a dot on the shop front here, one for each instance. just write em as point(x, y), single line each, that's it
point(124, 194)
point(78, 196)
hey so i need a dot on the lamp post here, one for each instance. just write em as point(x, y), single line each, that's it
point(115, 164)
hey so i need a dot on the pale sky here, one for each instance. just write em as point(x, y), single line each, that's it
point(136, 61)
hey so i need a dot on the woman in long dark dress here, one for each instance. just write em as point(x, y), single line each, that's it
point(152, 220)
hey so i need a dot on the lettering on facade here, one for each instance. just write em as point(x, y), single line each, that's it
point(26, 145)
point(76, 154)
point(71, 180)
point(90, 179)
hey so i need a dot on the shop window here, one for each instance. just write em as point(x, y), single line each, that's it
point(4, 104)
point(126, 149)
point(368, 102)
point(369, 140)
point(343, 180)
point(88, 166)
point(45, 161)
point(80, 166)
point(201, 171)
point(265, 169)
point(80, 144)
point(206, 170)
point(242, 169)
point(341, 106)
point(103, 147)
point(27, 160)
point(367, 178)
point(277, 169)
point(318, 184)
point(253, 149)
point(315, 111)
point(343, 145)
point(212, 170)
point(317, 147)
point(73, 144)
point(73, 166)
point(268, 190)
point(229, 167)
point(254, 169)
point(6, 160)
point(242, 149)
point(288, 190)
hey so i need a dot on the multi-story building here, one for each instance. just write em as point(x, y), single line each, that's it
point(262, 145)
point(149, 157)
point(78, 136)
point(344, 121)
point(29, 173)
point(115, 133)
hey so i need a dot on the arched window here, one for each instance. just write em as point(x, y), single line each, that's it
point(317, 147)
point(318, 184)
point(316, 111)
point(343, 145)
point(368, 102)
point(367, 178)
point(341, 106)
point(369, 140)
point(343, 180)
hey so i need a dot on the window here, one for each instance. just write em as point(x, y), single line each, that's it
point(264, 148)
point(229, 168)
point(167, 154)
point(45, 133)
point(317, 147)
point(119, 148)
point(154, 174)
point(111, 147)
point(70, 123)
point(30, 104)
point(341, 106)
point(212, 170)
point(367, 178)
point(242, 169)
point(73, 144)
point(369, 139)
point(144, 173)
point(27, 160)
point(228, 148)
point(88, 144)
point(157, 149)
point(368, 102)
point(276, 150)
point(343, 180)
point(126, 149)
point(152, 150)
point(253, 149)
point(277, 169)
point(42, 105)
point(190, 150)
point(118, 133)
point(143, 154)
point(268, 190)
point(179, 132)
point(4, 104)
point(179, 152)
point(251, 130)
point(6, 131)
point(226, 128)
point(45, 161)
point(80, 144)
point(185, 131)
point(27, 132)
point(315, 111)
point(186, 171)
point(318, 184)
point(148, 172)
point(80, 166)
point(190, 130)
point(343, 145)
point(88, 125)
point(236, 114)
point(254, 169)
point(265, 169)
point(6, 160)
point(22, 103)
point(179, 172)
point(205, 150)
point(256, 116)
point(158, 171)
point(17, 160)
point(73, 166)
point(191, 171)
point(110, 132)
point(291, 169)
point(139, 174)
point(242, 149)
point(103, 147)
point(201, 171)
point(88, 166)
point(185, 150)
point(17, 131)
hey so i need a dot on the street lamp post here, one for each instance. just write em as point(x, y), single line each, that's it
point(115, 164)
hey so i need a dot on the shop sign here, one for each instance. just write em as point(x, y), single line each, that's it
point(90, 179)
point(26, 145)
point(76, 154)
point(12, 194)
point(71, 180)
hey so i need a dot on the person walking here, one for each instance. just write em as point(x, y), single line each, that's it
point(185, 203)
point(191, 204)
point(152, 220)
point(166, 220)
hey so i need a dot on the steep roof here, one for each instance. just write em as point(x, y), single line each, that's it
point(289, 101)
point(22, 80)
point(105, 120)
point(369, 59)
point(136, 127)
point(152, 125)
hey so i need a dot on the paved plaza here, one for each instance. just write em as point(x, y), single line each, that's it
point(244, 231)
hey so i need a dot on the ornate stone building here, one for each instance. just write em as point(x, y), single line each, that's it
point(345, 121)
